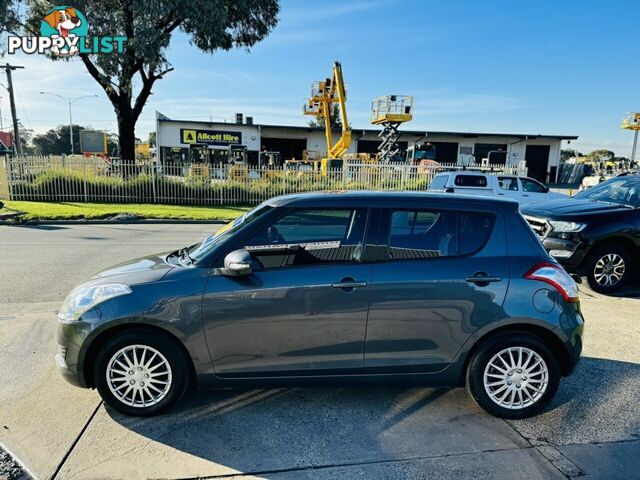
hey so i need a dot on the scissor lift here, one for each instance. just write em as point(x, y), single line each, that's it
point(390, 111)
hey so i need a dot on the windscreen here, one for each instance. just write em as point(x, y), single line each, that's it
point(200, 251)
point(623, 191)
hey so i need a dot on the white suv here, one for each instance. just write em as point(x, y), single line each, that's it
point(522, 189)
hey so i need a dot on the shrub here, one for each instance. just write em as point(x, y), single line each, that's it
point(113, 185)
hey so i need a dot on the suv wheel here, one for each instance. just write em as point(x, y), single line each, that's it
point(608, 268)
point(513, 376)
point(141, 373)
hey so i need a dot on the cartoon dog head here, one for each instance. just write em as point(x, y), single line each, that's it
point(63, 20)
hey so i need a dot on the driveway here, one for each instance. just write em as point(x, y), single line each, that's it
point(592, 429)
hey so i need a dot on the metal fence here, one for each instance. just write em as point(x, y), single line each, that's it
point(77, 179)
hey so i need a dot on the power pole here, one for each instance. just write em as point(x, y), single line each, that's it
point(16, 131)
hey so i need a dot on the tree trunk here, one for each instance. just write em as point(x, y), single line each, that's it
point(126, 132)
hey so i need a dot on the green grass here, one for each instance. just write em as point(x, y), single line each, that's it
point(71, 210)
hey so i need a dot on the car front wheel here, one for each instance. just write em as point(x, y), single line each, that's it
point(609, 267)
point(141, 373)
point(513, 376)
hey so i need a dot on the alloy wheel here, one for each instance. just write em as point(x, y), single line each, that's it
point(609, 270)
point(139, 376)
point(516, 378)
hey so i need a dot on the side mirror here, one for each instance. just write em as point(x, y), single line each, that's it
point(238, 263)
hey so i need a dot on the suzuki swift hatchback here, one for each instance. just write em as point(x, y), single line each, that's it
point(429, 289)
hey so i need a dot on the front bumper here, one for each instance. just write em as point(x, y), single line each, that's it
point(69, 358)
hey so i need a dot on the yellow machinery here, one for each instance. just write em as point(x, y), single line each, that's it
point(631, 121)
point(390, 111)
point(143, 152)
point(324, 95)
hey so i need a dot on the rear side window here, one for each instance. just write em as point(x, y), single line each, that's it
point(421, 234)
point(470, 181)
point(439, 182)
point(474, 230)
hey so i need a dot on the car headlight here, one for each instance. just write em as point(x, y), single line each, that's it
point(82, 299)
point(559, 226)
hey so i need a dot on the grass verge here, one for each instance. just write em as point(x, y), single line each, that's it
point(71, 211)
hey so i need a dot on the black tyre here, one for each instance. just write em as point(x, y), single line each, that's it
point(608, 268)
point(141, 373)
point(513, 376)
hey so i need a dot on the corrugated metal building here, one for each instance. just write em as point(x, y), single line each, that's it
point(175, 138)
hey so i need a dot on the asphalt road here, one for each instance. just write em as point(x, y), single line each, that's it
point(592, 429)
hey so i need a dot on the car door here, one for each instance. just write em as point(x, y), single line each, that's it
point(532, 190)
point(444, 274)
point(304, 310)
point(509, 187)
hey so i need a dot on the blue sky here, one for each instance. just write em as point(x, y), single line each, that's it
point(556, 67)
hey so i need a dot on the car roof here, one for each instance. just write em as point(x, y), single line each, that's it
point(392, 198)
point(485, 174)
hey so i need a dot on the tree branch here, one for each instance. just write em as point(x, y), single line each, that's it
point(147, 84)
point(104, 81)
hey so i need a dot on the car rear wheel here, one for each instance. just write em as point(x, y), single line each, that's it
point(141, 373)
point(513, 376)
point(608, 268)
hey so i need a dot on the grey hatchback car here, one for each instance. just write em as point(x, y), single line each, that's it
point(422, 288)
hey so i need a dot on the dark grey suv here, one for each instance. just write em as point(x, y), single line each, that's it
point(429, 289)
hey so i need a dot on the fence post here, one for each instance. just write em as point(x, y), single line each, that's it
point(7, 172)
point(84, 179)
point(153, 181)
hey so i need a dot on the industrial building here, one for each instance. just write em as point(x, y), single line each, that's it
point(176, 139)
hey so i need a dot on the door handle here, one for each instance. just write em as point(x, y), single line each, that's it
point(348, 284)
point(482, 279)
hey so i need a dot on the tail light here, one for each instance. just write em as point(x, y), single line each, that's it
point(557, 277)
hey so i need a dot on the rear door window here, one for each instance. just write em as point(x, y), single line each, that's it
point(508, 183)
point(424, 234)
point(474, 230)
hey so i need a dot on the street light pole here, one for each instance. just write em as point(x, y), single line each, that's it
point(69, 101)
point(70, 127)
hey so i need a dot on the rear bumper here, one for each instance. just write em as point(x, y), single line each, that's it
point(574, 351)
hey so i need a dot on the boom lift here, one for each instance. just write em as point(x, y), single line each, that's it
point(324, 95)
point(631, 121)
point(390, 112)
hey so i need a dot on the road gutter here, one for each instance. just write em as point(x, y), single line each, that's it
point(560, 462)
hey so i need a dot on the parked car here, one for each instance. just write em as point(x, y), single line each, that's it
point(597, 234)
point(336, 287)
point(521, 189)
